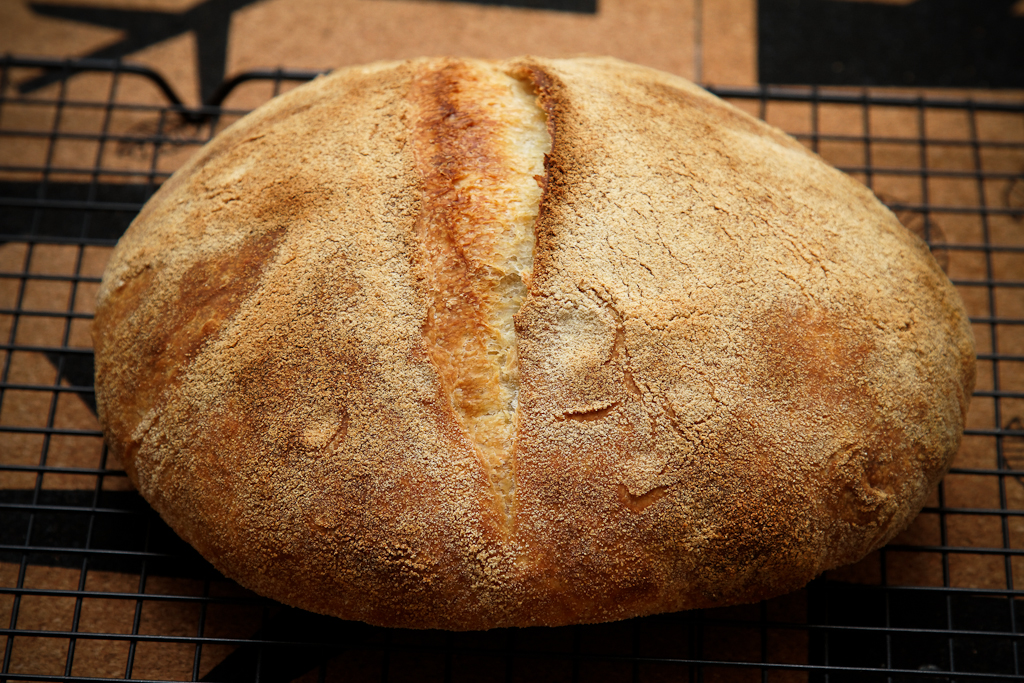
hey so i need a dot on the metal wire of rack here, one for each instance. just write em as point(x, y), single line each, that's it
point(93, 585)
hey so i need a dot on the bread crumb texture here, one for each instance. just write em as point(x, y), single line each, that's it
point(479, 141)
point(461, 344)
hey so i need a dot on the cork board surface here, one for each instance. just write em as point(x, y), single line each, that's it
point(710, 42)
point(324, 34)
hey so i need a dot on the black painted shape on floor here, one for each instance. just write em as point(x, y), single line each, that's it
point(919, 639)
point(578, 6)
point(48, 217)
point(50, 220)
point(122, 524)
point(282, 663)
point(210, 21)
point(934, 43)
point(78, 370)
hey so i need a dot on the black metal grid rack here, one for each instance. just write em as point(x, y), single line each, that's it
point(93, 586)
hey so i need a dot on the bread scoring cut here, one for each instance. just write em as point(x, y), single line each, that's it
point(480, 141)
point(727, 369)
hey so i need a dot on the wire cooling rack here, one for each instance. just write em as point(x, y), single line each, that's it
point(93, 585)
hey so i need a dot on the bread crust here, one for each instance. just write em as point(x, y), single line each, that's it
point(736, 368)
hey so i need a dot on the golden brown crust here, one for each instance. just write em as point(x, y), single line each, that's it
point(737, 369)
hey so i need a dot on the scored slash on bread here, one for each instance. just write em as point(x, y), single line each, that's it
point(463, 344)
point(479, 141)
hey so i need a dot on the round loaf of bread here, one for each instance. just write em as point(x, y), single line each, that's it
point(461, 344)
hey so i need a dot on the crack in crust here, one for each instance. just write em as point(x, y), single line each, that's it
point(480, 140)
point(638, 503)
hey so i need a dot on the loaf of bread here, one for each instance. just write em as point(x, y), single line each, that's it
point(461, 344)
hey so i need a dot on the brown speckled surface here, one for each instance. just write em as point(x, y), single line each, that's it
point(711, 42)
point(788, 366)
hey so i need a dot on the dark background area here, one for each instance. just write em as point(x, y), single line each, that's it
point(927, 43)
